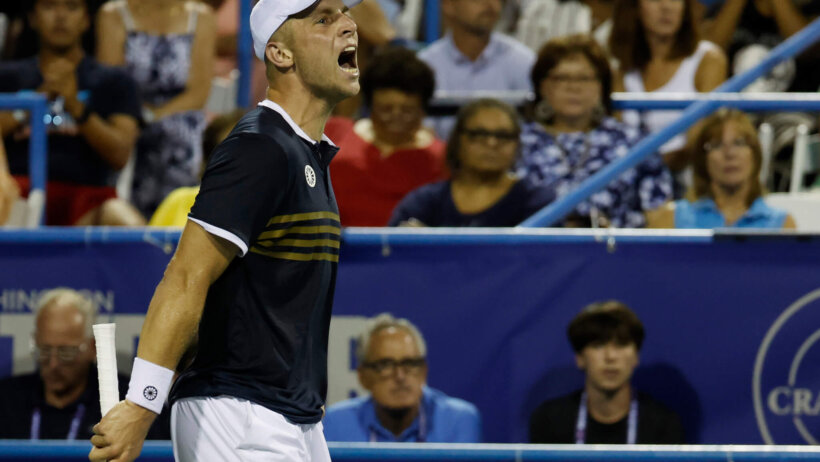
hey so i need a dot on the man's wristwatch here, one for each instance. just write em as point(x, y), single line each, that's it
point(83, 117)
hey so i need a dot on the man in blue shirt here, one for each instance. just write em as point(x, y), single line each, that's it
point(392, 367)
point(472, 57)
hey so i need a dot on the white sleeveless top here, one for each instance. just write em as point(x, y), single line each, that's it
point(682, 82)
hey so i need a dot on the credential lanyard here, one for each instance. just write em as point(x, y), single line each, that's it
point(581, 423)
point(36, 418)
point(374, 438)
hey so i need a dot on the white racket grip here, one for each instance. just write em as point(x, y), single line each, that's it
point(107, 366)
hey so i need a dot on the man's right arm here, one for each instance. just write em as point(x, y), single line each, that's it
point(170, 325)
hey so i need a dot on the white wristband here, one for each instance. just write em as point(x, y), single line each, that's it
point(149, 386)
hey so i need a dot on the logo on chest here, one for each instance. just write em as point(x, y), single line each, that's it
point(310, 176)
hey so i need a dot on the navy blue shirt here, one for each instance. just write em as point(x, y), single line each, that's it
point(105, 90)
point(264, 328)
point(554, 422)
point(433, 205)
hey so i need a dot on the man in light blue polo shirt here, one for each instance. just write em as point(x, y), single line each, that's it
point(391, 354)
point(473, 57)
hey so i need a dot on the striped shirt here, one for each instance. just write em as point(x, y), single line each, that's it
point(263, 333)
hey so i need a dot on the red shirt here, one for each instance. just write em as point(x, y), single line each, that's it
point(368, 186)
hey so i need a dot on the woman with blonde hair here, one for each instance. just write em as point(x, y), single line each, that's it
point(726, 191)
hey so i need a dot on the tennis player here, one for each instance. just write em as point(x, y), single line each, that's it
point(254, 273)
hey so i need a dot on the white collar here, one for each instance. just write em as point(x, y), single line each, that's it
point(271, 105)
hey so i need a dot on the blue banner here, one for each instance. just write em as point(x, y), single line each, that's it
point(732, 324)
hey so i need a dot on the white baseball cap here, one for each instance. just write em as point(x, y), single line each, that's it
point(268, 15)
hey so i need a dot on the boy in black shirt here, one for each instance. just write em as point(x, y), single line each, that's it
point(606, 338)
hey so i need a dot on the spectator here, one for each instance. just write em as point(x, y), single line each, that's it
point(20, 38)
point(94, 111)
point(385, 156)
point(61, 400)
point(472, 56)
point(9, 191)
point(607, 340)
point(658, 50)
point(573, 136)
point(169, 47)
point(748, 29)
point(391, 364)
point(483, 190)
point(727, 191)
point(174, 209)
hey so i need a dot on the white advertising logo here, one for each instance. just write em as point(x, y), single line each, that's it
point(787, 393)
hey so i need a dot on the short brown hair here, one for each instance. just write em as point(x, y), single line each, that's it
point(603, 322)
point(627, 42)
point(399, 69)
point(711, 129)
point(466, 113)
point(560, 48)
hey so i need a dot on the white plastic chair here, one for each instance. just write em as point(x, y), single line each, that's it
point(766, 136)
point(802, 206)
point(806, 157)
point(27, 213)
point(222, 98)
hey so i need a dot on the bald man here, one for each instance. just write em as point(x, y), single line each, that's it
point(61, 399)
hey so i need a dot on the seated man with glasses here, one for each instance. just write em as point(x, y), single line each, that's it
point(391, 357)
point(61, 399)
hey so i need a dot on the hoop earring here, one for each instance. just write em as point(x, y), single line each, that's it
point(543, 111)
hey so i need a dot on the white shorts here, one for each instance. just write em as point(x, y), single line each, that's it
point(231, 429)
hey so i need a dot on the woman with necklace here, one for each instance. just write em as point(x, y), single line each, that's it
point(572, 136)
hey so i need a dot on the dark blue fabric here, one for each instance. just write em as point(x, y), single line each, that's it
point(432, 204)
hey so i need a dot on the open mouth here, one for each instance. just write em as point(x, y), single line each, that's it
point(347, 60)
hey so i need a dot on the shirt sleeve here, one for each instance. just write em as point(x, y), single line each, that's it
point(418, 204)
point(244, 184)
point(117, 94)
point(468, 427)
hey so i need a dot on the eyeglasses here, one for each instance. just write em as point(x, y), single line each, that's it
point(479, 135)
point(737, 143)
point(64, 353)
point(387, 367)
point(564, 79)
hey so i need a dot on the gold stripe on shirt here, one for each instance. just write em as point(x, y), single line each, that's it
point(316, 256)
point(303, 217)
point(300, 230)
point(301, 243)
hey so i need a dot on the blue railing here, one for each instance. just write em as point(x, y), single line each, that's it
point(411, 452)
point(556, 211)
point(37, 107)
point(168, 237)
point(244, 54)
